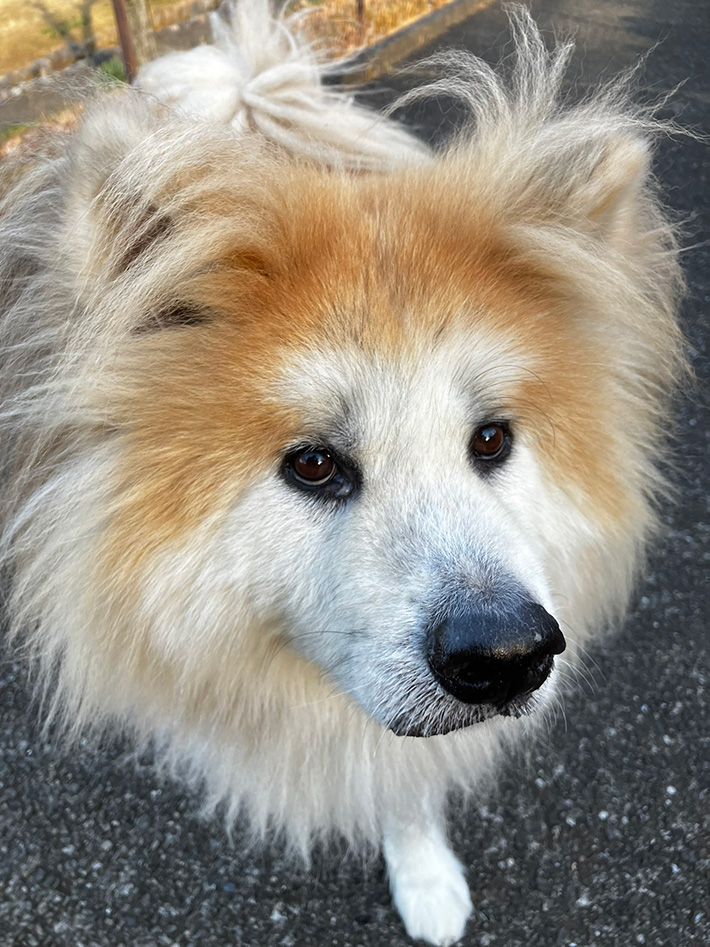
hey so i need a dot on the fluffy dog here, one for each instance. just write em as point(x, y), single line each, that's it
point(321, 447)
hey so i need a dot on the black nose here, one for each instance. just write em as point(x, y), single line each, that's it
point(489, 655)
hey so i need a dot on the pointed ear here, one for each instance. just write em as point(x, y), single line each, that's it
point(109, 194)
point(152, 211)
point(612, 195)
point(107, 134)
point(123, 211)
point(594, 185)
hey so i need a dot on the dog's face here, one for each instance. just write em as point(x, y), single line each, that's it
point(401, 556)
point(392, 436)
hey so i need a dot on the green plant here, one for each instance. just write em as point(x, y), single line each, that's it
point(9, 131)
point(114, 68)
point(62, 29)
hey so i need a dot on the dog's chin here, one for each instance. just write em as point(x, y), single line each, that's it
point(459, 717)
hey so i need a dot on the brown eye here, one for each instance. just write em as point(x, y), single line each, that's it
point(313, 467)
point(491, 442)
point(321, 473)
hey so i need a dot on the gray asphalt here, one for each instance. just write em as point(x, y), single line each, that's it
point(601, 838)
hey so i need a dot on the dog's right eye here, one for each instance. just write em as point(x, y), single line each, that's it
point(490, 445)
point(316, 470)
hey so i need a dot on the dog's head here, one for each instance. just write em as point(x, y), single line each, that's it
point(398, 429)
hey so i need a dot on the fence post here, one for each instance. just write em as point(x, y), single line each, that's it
point(135, 34)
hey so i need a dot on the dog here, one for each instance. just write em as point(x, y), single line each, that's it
point(325, 453)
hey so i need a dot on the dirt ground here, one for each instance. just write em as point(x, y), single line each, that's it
point(335, 24)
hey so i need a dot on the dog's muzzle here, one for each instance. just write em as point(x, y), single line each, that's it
point(494, 656)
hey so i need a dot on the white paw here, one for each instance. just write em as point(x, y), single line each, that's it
point(432, 897)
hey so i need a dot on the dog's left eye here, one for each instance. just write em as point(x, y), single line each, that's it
point(317, 470)
point(313, 467)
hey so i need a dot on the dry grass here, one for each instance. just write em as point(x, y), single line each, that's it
point(335, 24)
point(34, 28)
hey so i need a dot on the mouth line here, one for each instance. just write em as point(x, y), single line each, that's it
point(405, 726)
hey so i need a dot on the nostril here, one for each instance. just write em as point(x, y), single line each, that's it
point(478, 682)
point(554, 641)
point(472, 672)
point(534, 676)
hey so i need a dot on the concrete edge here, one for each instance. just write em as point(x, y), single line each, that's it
point(386, 54)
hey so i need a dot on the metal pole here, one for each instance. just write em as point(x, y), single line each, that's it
point(361, 14)
point(135, 34)
point(125, 39)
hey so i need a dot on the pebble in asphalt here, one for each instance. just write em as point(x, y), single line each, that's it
point(600, 837)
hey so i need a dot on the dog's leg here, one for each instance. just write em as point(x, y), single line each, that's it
point(427, 880)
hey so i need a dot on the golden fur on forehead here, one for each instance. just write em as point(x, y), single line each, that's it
point(387, 264)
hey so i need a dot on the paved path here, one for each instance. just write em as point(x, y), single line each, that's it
point(603, 839)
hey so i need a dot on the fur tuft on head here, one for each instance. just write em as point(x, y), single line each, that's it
point(259, 72)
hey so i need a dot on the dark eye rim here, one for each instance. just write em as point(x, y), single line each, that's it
point(503, 452)
point(342, 482)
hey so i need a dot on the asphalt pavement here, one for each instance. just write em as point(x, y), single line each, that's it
point(602, 837)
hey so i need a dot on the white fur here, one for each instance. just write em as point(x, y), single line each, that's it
point(260, 71)
point(427, 881)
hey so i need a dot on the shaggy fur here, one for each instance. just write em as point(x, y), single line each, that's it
point(189, 293)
